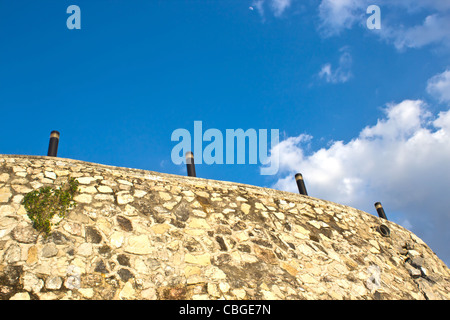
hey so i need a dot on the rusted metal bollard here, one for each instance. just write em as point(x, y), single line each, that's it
point(53, 144)
point(380, 210)
point(300, 184)
point(190, 164)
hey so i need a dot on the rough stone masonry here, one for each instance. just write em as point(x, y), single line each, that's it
point(139, 234)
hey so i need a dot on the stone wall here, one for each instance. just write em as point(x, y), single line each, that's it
point(139, 234)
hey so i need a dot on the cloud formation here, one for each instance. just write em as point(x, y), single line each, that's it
point(439, 86)
point(435, 30)
point(277, 7)
point(343, 71)
point(401, 161)
point(335, 16)
point(338, 15)
point(400, 26)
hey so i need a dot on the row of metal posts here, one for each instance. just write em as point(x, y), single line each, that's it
point(53, 151)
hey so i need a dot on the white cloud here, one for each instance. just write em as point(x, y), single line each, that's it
point(402, 161)
point(337, 15)
point(415, 5)
point(278, 7)
point(435, 29)
point(258, 5)
point(439, 86)
point(342, 73)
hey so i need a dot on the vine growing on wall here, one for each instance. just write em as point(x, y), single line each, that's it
point(46, 202)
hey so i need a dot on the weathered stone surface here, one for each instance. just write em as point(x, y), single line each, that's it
point(32, 283)
point(50, 175)
point(53, 283)
point(5, 195)
point(197, 223)
point(85, 249)
point(4, 177)
point(182, 212)
point(88, 189)
point(127, 292)
point(59, 238)
point(7, 210)
point(104, 197)
point(25, 234)
point(200, 259)
point(105, 189)
point(124, 223)
point(165, 196)
point(21, 296)
point(83, 198)
point(78, 217)
point(124, 197)
point(245, 208)
point(49, 250)
point(123, 260)
point(138, 245)
point(139, 193)
point(85, 180)
point(10, 276)
point(125, 274)
point(87, 293)
point(32, 255)
point(117, 239)
point(143, 235)
point(21, 188)
point(73, 280)
point(160, 228)
point(92, 235)
point(101, 267)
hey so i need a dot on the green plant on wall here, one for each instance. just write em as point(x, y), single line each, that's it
point(44, 203)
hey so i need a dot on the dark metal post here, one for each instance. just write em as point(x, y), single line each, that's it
point(53, 145)
point(190, 164)
point(380, 210)
point(300, 184)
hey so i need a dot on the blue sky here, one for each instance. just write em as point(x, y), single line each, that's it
point(361, 113)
